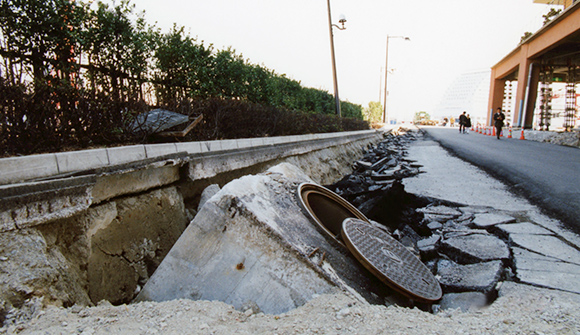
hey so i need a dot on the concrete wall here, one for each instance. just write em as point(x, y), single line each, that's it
point(98, 222)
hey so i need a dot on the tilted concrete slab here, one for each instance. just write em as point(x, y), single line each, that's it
point(548, 246)
point(251, 244)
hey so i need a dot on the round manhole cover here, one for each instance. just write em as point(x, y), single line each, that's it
point(390, 261)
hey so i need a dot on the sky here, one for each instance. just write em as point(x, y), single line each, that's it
point(291, 37)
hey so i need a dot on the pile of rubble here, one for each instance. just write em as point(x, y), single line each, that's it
point(450, 238)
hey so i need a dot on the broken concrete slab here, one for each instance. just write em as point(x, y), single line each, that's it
point(428, 246)
point(523, 228)
point(474, 248)
point(466, 301)
point(539, 270)
point(434, 225)
point(252, 243)
point(556, 280)
point(514, 291)
point(29, 204)
point(547, 245)
point(440, 210)
point(484, 220)
point(481, 277)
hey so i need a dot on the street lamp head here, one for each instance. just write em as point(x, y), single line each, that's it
point(342, 20)
point(407, 39)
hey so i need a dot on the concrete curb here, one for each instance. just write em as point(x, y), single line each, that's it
point(19, 169)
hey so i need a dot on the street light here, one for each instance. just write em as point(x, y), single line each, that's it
point(387, 72)
point(342, 20)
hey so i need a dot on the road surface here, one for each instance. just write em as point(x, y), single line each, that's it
point(547, 174)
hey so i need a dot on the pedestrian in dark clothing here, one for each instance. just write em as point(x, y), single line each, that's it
point(462, 120)
point(467, 123)
point(498, 118)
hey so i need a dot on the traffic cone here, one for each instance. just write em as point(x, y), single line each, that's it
point(493, 131)
point(522, 135)
point(510, 133)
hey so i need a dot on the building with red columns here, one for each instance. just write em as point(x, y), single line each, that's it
point(552, 54)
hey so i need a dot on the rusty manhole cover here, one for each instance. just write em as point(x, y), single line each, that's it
point(390, 261)
point(327, 209)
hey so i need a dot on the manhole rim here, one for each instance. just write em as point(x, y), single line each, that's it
point(312, 187)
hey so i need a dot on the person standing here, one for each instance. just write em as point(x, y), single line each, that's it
point(462, 121)
point(498, 118)
point(467, 124)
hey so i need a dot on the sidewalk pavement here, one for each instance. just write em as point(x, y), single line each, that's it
point(545, 253)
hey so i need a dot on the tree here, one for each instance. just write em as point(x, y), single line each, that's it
point(421, 116)
point(182, 67)
point(374, 112)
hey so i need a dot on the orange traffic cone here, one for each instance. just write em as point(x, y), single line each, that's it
point(510, 133)
point(522, 135)
point(493, 131)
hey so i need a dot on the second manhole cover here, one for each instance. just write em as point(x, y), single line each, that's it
point(390, 261)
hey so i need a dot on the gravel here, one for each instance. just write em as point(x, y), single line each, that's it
point(522, 310)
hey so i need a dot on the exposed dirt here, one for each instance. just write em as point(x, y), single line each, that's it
point(523, 310)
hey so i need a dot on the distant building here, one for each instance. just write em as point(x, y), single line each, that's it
point(469, 92)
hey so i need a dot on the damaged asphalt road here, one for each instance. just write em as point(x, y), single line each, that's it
point(546, 174)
